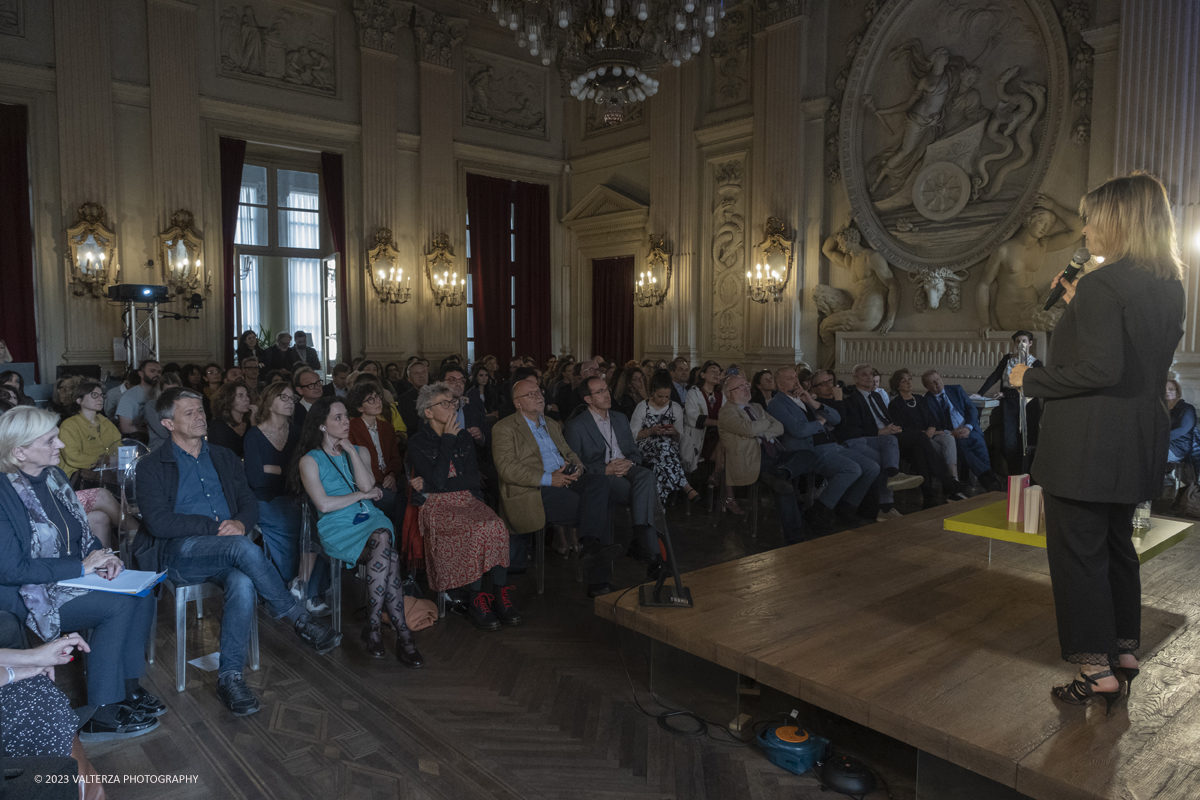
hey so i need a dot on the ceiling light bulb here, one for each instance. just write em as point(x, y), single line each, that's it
point(689, 6)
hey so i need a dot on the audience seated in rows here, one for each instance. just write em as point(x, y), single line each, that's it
point(464, 538)
point(197, 511)
point(308, 391)
point(374, 435)
point(603, 439)
point(253, 376)
point(912, 413)
point(338, 385)
point(158, 435)
point(45, 538)
point(543, 481)
point(955, 412)
point(338, 479)
point(301, 353)
point(657, 424)
point(87, 435)
point(700, 439)
point(273, 360)
point(629, 389)
point(679, 372)
point(214, 379)
point(248, 347)
point(1184, 446)
point(483, 392)
point(750, 437)
point(131, 418)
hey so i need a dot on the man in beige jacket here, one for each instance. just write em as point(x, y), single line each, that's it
point(750, 437)
point(542, 480)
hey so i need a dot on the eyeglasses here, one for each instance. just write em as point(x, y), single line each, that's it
point(822, 383)
point(95, 395)
point(371, 398)
point(599, 391)
point(288, 398)
point(446, 403)
point(527, 394)
point(308, 385)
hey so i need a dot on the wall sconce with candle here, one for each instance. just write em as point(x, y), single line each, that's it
point(448, 289)
point(774, 268)
point(91, 252)
point(387, 276)
point(649, 290)
point(180, 251)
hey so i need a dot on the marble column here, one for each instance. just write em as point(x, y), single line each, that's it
point(443, 330)
point(87, 164)
point(389, 329)
point(175, 157)
point(782, 165)
point(1158, 129)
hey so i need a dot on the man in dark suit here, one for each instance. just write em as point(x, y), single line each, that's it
point(957, 414)
point(1010, 404)
point(277, 352)
point(197, 509)
point(679, 375)
point(337, 387)
point(866, 415)
point(417, 375)
point(301, 353)
point(604, 443)
point(569, 395)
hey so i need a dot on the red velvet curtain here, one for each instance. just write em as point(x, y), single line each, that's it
point(532, 270)
point(18, 325)
point(488, 205)
point(612, 308)
point(335, 201)
point(233, 156)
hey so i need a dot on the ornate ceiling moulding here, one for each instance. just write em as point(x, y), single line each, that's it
point(181, 255)
point(437, 35)
point(946, 130)
point(91, 252)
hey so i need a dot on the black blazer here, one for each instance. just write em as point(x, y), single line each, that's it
point(158, 485)
point(292, 357)
point(1105, 426)
point(919, 418)
point(998, 375)
point(584, 437)
point(857, 419)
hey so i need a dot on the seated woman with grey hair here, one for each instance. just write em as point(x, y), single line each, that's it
point(44, 539)
point(463, 537)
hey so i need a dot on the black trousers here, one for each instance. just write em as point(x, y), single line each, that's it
point(583, 504)
point(1095, 579)
point(120, 626)
point(925, 459)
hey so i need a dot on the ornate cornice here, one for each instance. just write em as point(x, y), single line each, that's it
point(437, 35)
point(376, 21)
point(773, 12)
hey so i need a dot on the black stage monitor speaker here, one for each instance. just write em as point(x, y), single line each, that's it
point(138, 293)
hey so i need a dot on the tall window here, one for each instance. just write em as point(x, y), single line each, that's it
point(279, 239)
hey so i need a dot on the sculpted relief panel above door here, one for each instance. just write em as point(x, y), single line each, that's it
point(949, 120)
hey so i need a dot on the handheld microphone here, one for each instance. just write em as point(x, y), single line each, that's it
point(1081, 257)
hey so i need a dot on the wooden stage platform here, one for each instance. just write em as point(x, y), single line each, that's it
point(906, 628)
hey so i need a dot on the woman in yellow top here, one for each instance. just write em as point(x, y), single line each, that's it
point(87, 436)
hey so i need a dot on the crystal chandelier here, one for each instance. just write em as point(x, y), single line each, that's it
point(610, 47)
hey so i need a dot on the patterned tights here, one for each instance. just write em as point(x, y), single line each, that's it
point(384, 584)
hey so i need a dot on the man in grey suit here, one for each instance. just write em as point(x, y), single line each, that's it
point(604, 443)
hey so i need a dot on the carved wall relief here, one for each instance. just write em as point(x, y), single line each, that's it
point(731, 60)
point(948, 123)
point(12, 18)
point(281, 44)
point(504, 95)
point(728, 253)
point(437, 35)
point(376, 20)
point(1075, 17)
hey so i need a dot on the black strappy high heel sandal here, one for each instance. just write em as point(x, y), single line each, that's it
point(1080, 692)
point(1130, 673)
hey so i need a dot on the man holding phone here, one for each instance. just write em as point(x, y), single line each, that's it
point(543, 481)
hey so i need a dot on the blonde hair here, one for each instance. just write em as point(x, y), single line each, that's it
point(1131, 216)
point(20, 427)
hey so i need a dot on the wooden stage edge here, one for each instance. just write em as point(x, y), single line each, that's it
point(906, 628)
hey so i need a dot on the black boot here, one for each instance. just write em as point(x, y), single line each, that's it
point(504, 606)
point(406, 648)
point(480, 612)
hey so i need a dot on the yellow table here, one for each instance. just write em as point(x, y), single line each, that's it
point(991, 522)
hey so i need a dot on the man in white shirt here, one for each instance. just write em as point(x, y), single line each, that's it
point(604, 442)
point(113, 396)
point(131, 417)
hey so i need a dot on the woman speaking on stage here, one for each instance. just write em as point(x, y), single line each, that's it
point(1105, 426)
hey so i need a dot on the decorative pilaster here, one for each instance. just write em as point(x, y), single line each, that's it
point(176, 159)
point(443, 330)
point(389, 328)
point(1158, 129)
point(87, 159)
point(783, 167)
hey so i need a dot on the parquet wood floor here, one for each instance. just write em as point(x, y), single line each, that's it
point(906, 628)
point(538, 711)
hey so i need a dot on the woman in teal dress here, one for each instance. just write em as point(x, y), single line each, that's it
point(338, 480)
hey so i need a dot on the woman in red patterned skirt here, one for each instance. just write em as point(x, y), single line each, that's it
point(463, 537)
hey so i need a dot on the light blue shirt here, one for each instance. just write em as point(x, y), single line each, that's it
point(552, 460)
point(956, 417)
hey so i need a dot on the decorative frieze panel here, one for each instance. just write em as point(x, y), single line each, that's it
point(959, 357)
point(437, 35)
point(728, 253)
point(376, 21)
point(12, 17)
point(287, 45)
point(504, 95)
point(731, 61)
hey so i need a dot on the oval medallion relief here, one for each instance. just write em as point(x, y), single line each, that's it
point(949, 120)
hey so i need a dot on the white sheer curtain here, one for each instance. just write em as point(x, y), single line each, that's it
point(247, 230)
point(249, 293)
point(304, 274)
